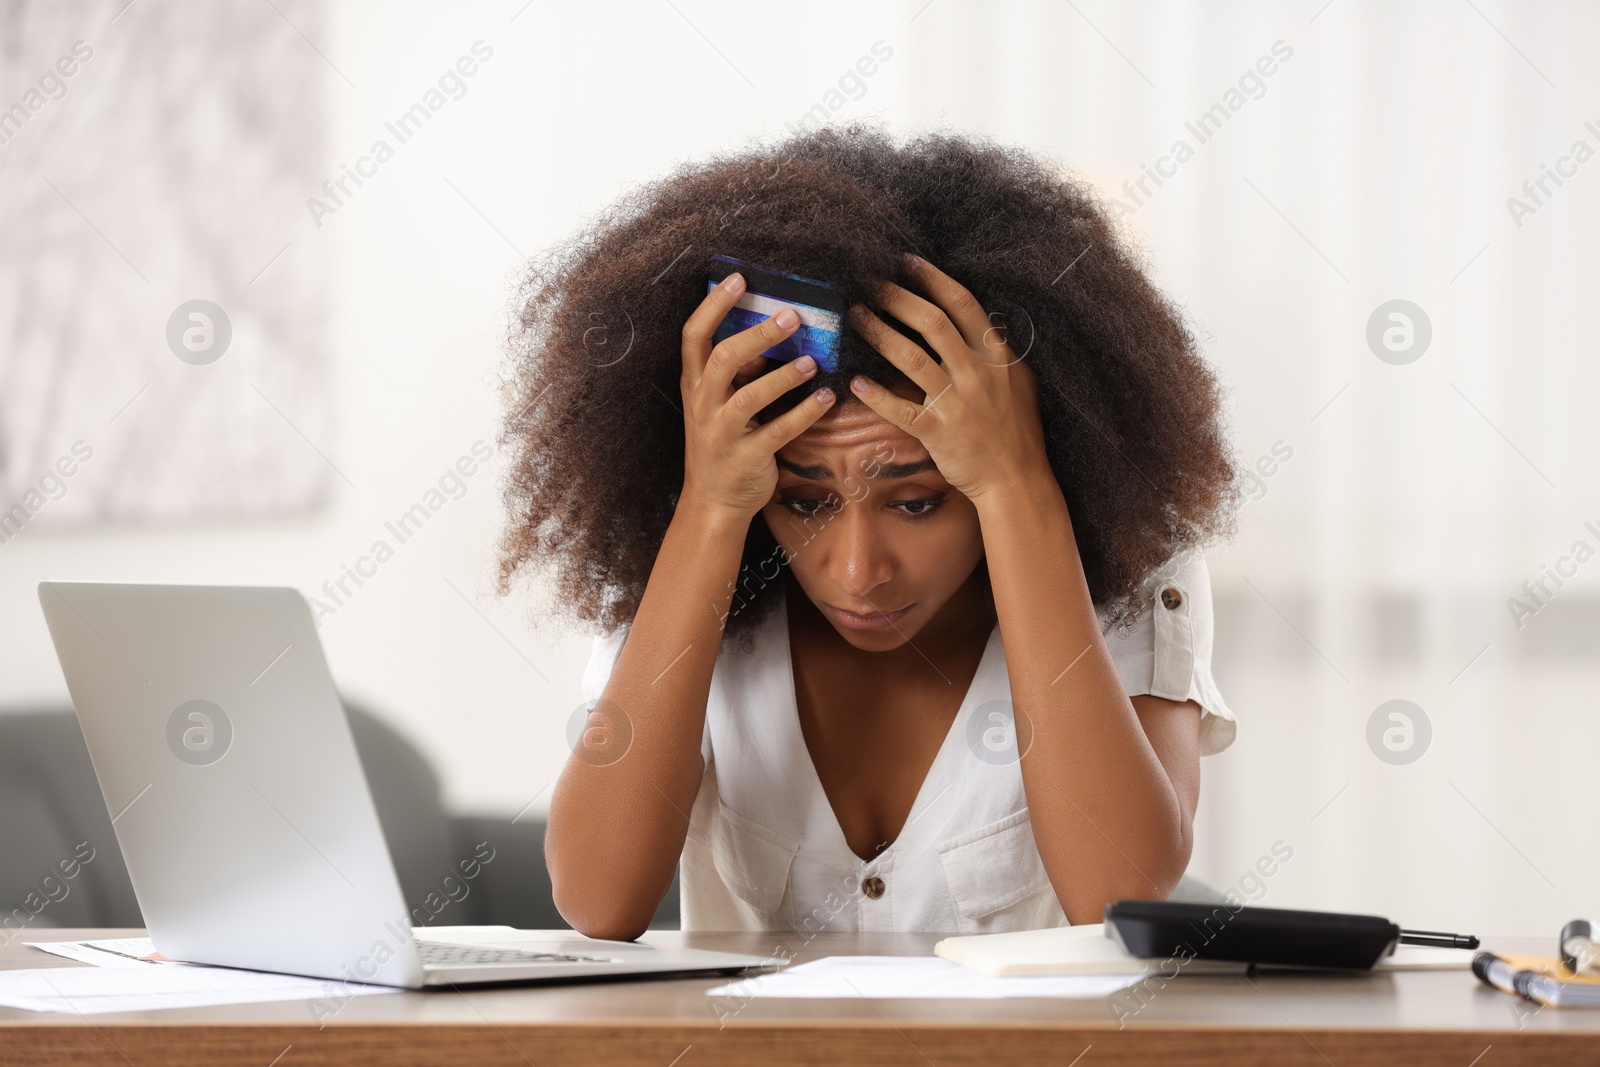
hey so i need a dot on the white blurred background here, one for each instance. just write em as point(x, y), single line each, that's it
point(1375, 163)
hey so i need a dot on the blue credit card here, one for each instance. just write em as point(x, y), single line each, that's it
point(821, 308)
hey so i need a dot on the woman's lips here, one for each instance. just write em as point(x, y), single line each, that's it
point(878, 621)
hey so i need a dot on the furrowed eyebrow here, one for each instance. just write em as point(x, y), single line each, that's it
point(886, 471)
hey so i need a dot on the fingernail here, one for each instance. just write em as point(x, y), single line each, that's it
point(859, 384)
point(733, 282)
point(824, 395)
point(805, 364)
point(910, 260)
point(787, 318)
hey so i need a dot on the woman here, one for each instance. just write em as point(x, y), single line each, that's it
point(919, 642)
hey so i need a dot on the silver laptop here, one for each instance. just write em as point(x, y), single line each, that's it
point(240, 803)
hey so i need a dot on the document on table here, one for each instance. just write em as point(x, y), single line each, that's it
point(106, 952)
point(885, 977)
point(126, 983)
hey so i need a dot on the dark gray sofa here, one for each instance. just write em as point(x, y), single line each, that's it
point(51, 806)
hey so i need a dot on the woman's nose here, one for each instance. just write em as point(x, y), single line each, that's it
point(859, 559)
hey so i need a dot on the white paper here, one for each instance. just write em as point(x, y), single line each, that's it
point(1067, 950)
point(1426, 958)
point(883, 977)
point(108, 952)
point(1059, 951)
point(118, 983)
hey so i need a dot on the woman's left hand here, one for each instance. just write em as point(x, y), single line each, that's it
point(979, 418)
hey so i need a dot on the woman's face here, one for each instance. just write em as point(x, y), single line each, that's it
point(869, 526)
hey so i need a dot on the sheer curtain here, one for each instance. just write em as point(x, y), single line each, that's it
point(1404, 497)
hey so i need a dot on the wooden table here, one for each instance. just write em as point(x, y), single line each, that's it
point(1414, 1019)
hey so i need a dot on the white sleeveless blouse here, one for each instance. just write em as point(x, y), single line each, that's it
point(765, 852)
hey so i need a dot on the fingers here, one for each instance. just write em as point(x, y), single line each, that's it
point(702, 323)
point(929, 320)
point(893, 407)
point(955, 299)
point(901, 350)
point(731, 354)
point(752, 368)
point(770, 386)
point(792, 423)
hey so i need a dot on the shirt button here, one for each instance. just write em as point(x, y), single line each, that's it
point(872, 887)
point(1171, 597)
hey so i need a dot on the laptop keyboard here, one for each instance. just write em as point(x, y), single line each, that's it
point(436, 953)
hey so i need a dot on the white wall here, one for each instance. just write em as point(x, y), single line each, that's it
point(575, 106)
point(1376, 165)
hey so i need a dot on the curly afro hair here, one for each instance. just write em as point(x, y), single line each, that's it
point(594, 427)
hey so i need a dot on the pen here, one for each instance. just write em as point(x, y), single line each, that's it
point(1532, 985)
point(1438, 940)
point(1492, 970)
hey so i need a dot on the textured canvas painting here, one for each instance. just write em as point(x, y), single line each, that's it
point(163, 323)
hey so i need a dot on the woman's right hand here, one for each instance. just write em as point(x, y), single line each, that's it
point(728, 457)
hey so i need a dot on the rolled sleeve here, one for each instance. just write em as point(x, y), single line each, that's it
point(1167, 652)
point(603, 652)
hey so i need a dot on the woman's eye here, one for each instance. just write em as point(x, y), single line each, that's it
point(805, 507)
point(915, 509)
point(919, 509)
